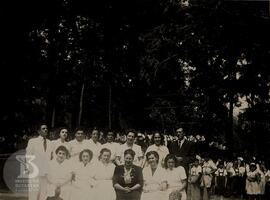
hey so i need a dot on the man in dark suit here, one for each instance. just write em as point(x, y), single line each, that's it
point(182, 149)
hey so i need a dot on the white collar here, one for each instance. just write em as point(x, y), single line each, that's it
point(182, 141)
point(59, 139)
point(42, 138)
point(129, 146)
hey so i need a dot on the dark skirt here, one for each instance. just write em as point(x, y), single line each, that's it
point(220, 188)
point(237, 185)
point(267, 190)
point(134, 195)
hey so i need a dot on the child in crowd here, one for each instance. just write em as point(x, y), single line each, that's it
point(237, 172)
point(220, 180)
point(261, 170)
point(267, 183)
point(252, 182)
point(194, 178)
point(208, 169)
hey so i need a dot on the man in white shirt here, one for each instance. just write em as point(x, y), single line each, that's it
point(129, 144)
point(41, 148)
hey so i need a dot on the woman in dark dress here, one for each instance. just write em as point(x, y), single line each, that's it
point(128, 178)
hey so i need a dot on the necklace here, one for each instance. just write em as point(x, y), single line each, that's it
point(127, 175)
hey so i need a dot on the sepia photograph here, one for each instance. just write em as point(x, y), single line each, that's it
point(141, 100)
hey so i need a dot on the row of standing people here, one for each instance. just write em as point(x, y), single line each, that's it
point(102, 180)
point(235, 179)
point(181, 147)
point(182, 150)
point(43, 148)
point(165, 183)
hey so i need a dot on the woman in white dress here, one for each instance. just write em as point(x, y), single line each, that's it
point(159, 147)
point(83, 182)
point(176, 179)
point(154, 176)
point(59, 175)
point(103, 174)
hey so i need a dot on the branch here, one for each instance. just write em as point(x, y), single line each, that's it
point(162, 62)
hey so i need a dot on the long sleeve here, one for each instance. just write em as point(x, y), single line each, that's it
point(30, 147)
point(140, 176)
point(117, 175)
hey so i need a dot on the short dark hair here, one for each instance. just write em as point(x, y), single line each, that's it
point(132, 131)
point(152, 153)
point(95, 129)
point(110, 131)
point(61, 128)
point(38, 126)
point(62, 148)
point(168, 157)
point(104, 150)
point(180, 127)
point(78, 129)
point(161, 135)
point(87, 151)
point(130, 152)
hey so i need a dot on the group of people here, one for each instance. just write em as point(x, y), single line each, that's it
point(86, 169)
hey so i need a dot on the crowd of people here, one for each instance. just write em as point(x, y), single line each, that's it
point(138, 166)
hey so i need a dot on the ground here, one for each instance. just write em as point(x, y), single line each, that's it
point(10, 196)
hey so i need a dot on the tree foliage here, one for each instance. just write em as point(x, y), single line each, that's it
point(147, 64)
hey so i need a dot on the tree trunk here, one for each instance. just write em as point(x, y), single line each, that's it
point(81, 105)
point(230, 132)
point(110, 107)
point(162, 122)
point(231, 106)
point(53, 117)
